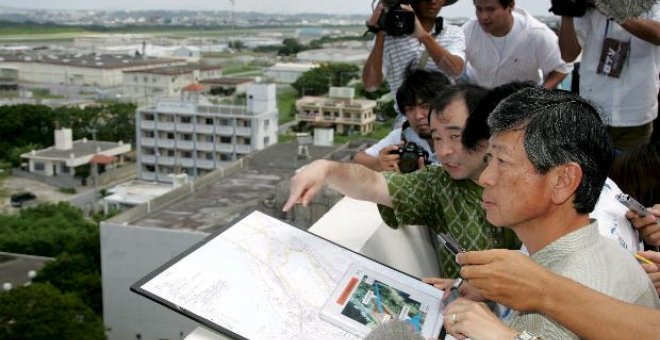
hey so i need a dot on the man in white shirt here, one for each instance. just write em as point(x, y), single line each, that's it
point(413, 98)
point(618, 71)
point(506, 43)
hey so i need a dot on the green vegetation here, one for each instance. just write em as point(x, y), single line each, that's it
point(41, 311)
point(70, 191)
point(286, 104)
point(28, 127)
point(73, 279)
point(318, 80)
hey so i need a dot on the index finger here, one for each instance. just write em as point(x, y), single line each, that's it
point(478, 257)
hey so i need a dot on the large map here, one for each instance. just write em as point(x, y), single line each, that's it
point(261, 279)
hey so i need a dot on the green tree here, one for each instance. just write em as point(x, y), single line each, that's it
point(290, 46)
point(317, 80)
point(41, 312)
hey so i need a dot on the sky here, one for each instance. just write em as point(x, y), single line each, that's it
point(463, 8)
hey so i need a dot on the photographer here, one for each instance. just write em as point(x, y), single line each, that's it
point(619, 67)
point(431, 45)
point(413, 98)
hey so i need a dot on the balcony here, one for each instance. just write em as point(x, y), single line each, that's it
point(165, 143)
point(165, 160)
point(205, 164)
point(148, 176)
point(184, 127)
point(185, 145)
point(148, 159)
point(147, 142)
point(207, 129)
point(165, 126)
point(243, 149)
point(187, 162)
point(205, 146)
point(243, 131)
point(224, 130)
point(148, 124)
point(224, 147)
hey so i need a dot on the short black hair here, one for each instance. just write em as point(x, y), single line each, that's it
point(506, 3)
point(476, 126)
point(636, 173)
point(472, 95)
point(420, 85)
point(559, 127)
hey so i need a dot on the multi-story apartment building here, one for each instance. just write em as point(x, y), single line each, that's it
point(194, 136)
point(339, 110)
point(165, 81)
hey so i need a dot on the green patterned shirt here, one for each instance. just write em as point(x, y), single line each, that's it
point(432, 198)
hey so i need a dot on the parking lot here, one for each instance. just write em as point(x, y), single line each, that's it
point(44, 192)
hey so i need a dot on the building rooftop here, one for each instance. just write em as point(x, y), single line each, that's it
point(258, 186)
point(101, 61)
point(226, 81)
point(14, 268)
point(174, 70)
point(80, 148)
point(136, 192)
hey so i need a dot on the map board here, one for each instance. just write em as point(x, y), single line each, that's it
point(262, 279)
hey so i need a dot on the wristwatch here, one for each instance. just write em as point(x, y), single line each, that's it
point(525, 335)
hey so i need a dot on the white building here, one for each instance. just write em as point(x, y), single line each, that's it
point(287, 73)
point(67, 154)
point(154, 83)
point(334, 55)
point(100, 70)
point(194, 136)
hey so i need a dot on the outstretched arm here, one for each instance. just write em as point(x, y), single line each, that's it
point(645, 29)
point(352, 180)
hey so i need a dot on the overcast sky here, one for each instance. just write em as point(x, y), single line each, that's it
point(462, 8)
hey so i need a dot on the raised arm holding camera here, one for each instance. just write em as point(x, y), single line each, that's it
point(410, 34)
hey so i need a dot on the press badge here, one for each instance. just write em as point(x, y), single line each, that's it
point(613, 57)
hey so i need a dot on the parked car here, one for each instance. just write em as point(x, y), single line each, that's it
point(17, 200)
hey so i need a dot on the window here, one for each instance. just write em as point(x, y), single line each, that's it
point(226, 140)
point(170, 135)
point(224, 122)
point(266, 123)
point(266, 140)
point(150, 168)
point(39, 166)
point(186, 154)
point(225, 157)
point(185, 120)
point(148, 151)
point(186, 136)
point(209, 121)
point(148, 116)
point(148, 134)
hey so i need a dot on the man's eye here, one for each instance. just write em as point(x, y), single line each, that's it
point(455, 136)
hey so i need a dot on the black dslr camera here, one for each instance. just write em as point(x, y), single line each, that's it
point(570, 8)
point(395, 21)
point(409, 156)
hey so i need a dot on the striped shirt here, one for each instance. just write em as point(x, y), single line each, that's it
point(399, 52)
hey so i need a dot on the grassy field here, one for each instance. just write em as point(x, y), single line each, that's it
point(286, 99)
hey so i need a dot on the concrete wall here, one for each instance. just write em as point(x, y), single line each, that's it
point(124, 261)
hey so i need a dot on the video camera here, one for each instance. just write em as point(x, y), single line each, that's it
point(394, 20)
point(570, 8)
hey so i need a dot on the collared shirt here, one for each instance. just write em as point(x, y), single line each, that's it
point(530, 51)
point(431, 197)
point(588, 258)
point(402, 52)
point(632, 99)
point(394, 137)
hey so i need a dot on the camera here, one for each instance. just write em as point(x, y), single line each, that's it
point(570, 8)
point(409, 156)
point(395, 21)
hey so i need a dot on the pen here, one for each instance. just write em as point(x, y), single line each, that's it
point(642, 259)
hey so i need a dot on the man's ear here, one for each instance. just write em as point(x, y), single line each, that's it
point(567, 178)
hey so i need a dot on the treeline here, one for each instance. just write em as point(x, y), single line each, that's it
point(27, 127)
point(64, 300)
